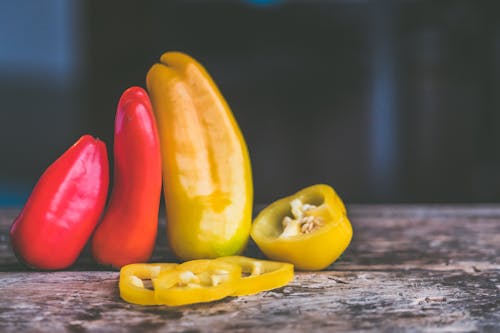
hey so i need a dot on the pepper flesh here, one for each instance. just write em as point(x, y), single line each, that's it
point(196, 281)
point(206, 167)
point(259, 275)
point(127, 232)
point(277, 228)
point(64, 207)
point(132, 288)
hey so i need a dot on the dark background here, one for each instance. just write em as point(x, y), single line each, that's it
point(388, 101)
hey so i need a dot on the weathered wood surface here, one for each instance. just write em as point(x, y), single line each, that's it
point(409, 268)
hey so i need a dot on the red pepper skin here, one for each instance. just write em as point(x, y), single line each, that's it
point(127, 233)
point(64, 207)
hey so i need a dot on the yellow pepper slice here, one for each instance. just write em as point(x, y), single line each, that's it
point(196, 281)
point(309, 229)
point(259, 275)
point(206, 166)
point(131, 285)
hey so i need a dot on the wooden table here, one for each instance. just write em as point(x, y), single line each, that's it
point(409, 268)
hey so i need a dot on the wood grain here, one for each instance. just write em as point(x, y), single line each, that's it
point(409, 268)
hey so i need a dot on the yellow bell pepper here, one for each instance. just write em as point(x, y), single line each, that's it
point(259, 275)
point(206, 167)
point(309, 229)
point(196, 281)
point(131, 285)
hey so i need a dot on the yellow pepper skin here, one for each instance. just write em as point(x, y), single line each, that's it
point(132, 287)
point(206, 166)
point(327, 236)
point(196, 281)
point(262, 274)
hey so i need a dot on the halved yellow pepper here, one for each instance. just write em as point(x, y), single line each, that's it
point(196, 281)
point(259, 275)
point(206, 166)
point(309, 229)
point(132, 288)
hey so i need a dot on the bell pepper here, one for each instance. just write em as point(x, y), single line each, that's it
point(259, 275)
point(63, 208)
point(309, 229)
point(127, 232)
point(196, 281)
point(206, 167)
point(131, 284)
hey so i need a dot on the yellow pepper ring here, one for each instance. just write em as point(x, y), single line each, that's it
point(309, 229)
point(196, 281)
point(263, 274)
point(132, 287)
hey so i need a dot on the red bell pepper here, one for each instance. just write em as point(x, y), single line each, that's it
point(128, 229)
point(64, 207)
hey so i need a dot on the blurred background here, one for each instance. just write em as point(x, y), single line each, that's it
point(388, 101)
